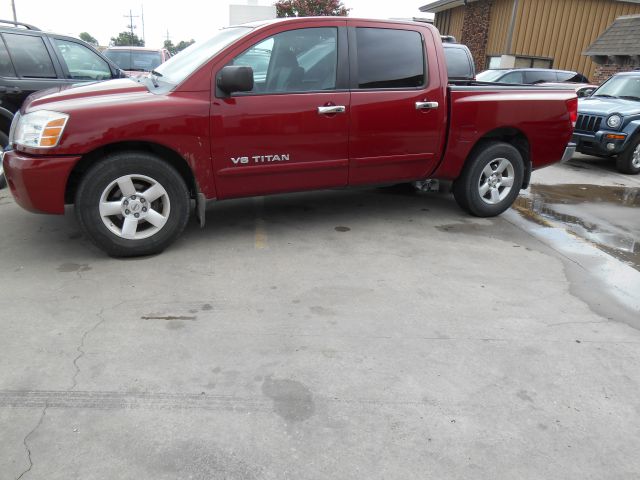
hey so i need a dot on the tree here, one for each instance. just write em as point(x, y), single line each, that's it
point(84, 36)
point(310, 8)
point(168, 44)
point(173, 49)
point(127, 39)
point(182, 44)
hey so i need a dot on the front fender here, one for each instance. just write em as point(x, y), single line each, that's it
point(631, 129)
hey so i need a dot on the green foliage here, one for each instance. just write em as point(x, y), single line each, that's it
point(173, 49)
point(86, 37)
point(126, 39)
point(310, 8)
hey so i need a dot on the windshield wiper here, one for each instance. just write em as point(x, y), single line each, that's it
point(604, 95)
point(629, 97)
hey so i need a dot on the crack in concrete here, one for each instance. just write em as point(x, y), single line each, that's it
point(80, 348)
point(26, 445)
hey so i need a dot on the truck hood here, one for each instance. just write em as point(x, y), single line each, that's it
point(607, 106)
point(72, 94)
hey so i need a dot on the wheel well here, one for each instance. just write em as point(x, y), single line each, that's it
point(514, 137)
point(164, 153)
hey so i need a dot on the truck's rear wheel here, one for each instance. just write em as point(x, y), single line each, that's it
point(629, 160)
point(132, 204)
point(490, 180)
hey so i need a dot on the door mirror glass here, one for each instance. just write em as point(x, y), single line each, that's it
point(585, 92)
point(235, 78)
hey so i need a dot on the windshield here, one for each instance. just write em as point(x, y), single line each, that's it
point(138, 60)
point(622, 86)
point(489, 75)
point(177, 68)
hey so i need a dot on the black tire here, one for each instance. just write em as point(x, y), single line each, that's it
point(100, 178)
point(629, 160)
point(466, 189)
point(4, 141)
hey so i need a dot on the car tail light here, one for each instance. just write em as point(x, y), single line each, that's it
point(572, 106)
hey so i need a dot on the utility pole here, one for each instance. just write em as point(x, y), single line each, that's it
point(13, 5)
point(131, 26)
point(142, 13)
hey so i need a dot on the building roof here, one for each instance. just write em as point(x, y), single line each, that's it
point(622, 38)
point(440, 5)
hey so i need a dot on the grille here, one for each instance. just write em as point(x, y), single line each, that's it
point(588, 123)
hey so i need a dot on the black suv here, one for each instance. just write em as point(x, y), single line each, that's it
point(530, 76)
point(32, 60)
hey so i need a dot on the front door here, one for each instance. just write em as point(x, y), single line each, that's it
point(397, 104)
point(291, 131)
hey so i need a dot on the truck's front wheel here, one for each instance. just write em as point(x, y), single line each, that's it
point(132, 204)
point(490, 180)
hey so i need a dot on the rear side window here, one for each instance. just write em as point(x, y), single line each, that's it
point(513, 77)
point(572, 77)
point(389, 58)
point(6, 67)
point(540, 76)
point(458, 63)
point(30, 56)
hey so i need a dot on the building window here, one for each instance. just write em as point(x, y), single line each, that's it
point(519, 62)
point(531, 62)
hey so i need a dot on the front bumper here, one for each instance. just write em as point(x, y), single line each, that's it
point(38, 183)
point(597, 143)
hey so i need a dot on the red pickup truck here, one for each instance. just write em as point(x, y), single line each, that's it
point(278, 106)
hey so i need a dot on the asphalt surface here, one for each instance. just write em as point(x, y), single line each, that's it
point(354, 334)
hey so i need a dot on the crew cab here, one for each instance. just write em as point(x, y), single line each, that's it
point(609, 122)
point(342, 102)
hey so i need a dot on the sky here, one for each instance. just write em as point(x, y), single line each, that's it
point(183, 19)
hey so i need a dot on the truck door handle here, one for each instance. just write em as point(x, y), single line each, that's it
point(329, 109)
point(426, 105)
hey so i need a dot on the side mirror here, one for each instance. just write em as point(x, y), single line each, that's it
point(586, 92)
point(234, 78)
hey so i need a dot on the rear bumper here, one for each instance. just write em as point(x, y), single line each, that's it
point(38, 183)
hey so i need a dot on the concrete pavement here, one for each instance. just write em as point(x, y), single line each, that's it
point(340, 334)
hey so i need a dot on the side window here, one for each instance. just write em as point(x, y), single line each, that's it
point(295, 61)
point(82, 63)
point(458, 63)
point(390, 58)
point(30, 56)
point(6, 67)
point(540, 76)
point(513, 77)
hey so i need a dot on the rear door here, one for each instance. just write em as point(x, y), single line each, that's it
point(397, 103)
point(291, 132)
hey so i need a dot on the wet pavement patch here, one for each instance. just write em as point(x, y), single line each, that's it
point(74, 267)
point(168, 317)
point(292, 400)
point(607, 216)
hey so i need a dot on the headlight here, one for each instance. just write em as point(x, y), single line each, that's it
point(614, 121)
point(40, 129)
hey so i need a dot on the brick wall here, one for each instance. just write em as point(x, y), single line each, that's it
point(475, 30)
point(604, 71)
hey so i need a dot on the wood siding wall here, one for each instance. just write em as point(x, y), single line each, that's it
point(449, 22)
point(501, 12)
point(561, 29)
